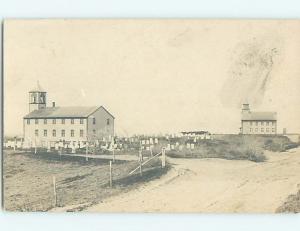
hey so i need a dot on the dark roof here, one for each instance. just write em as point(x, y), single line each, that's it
point(259, 116)
point(63, 112)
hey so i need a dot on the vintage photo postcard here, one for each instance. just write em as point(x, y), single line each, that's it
point(156, 115)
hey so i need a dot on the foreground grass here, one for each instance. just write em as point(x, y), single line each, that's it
point(291, 205)
point(28, 180)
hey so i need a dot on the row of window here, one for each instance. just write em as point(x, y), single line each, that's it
point(263, 123)
point(262, 130)
point(62, 121)
point(62, 134)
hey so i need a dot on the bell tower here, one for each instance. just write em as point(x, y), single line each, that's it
point(37, 98)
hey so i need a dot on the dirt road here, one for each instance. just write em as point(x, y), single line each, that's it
point(214, 185)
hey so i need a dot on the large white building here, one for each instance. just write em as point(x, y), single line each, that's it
point(44, 125)
point(253, 122)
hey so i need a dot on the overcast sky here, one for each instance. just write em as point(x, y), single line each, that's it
point(156, 76)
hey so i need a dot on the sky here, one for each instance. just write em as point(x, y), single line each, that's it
point(156, 76)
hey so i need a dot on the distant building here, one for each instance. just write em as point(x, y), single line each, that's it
point(199, 134)
point(258, 122)
point(51, 124)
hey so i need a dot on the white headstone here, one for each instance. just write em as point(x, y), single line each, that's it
point(192, 146)
point(151, 141)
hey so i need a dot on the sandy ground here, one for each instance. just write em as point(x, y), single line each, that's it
point(214, 185)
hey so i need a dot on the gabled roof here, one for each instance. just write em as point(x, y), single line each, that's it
point(63, 112)
point(259, 116)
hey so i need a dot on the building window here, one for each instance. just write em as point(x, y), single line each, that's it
point(45, 121)
point(250, 129)
point(62, 121)
point(273, 129)
point(94, 132)
point(63, 133)
point(54, 121)
point(45, 132)
point(267, 123)
point(54, 133)
point(28, 121)
point(267, 130)
point(256, 123)
point(94, 120)
point(107, 122)
point(81, 133)
point(72, 133)
point(36, 132)
point(81, 121)
point(256, 130)
point(263, 123)
point(72, 121)
point(262, 129)
point(273, 123)
point(250, 123)
point(36, 121)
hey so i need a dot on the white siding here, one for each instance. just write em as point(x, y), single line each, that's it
point(259, 127)
point(101, 127)
point(29, 130)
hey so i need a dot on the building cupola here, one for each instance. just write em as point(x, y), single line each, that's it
point(37, 98)
point(246, 108)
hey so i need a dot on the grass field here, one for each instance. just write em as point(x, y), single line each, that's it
point(28, 180)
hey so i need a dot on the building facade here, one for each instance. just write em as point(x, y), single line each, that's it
point(264, 123)
point(44, 125)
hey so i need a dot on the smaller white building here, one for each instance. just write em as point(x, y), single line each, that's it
point(253, 122)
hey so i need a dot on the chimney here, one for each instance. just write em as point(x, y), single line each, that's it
point(53, 104)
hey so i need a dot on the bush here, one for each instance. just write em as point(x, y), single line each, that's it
point(255, 155)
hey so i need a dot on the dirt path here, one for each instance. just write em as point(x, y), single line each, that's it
point(214, 185)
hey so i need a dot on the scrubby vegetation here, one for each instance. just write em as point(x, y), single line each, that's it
point(291, 205)
point(236, 147)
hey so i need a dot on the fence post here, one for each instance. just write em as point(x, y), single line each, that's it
point(141, 155)
point(35, 146)
point(110, 173)
point(54, 191)
point(163, 157)
point(114, 157)
point(141, 161)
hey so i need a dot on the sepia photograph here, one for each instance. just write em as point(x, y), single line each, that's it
point(151, 115)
